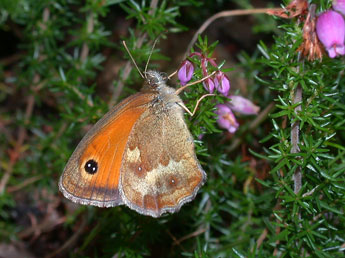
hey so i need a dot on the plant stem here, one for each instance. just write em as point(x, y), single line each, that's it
point(22, 134)
point(128, 66)
point(297, 97)
point(222, 14)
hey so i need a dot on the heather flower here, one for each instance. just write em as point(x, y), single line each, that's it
point(226, 118)
point(209, 85)
point(339, 5)
point(330, 28)
point(186, 71)
point(222, 83)
point(243, 106)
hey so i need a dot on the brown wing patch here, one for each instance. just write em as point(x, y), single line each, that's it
point(92, 174)
point(161, 171)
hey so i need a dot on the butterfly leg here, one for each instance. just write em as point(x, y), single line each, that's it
point(179, 90)
point(197, 104)
point(171, 75)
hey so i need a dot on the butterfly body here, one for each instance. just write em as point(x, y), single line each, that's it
point(140, 154)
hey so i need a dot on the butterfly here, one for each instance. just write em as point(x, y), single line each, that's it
point(140, 154)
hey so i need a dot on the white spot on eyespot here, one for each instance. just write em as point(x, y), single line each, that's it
point(140, 168)
point(90, 166)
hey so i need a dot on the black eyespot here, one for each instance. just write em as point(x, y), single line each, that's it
point(91, 166)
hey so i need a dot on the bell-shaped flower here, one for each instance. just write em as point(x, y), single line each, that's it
point(226, 118)
point(339, 5)
point(185, 72)
point(209, 85)
point(222, 83)
point(243, 106)
point(330, 28)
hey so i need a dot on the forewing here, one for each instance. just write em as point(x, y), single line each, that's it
point(104, 144)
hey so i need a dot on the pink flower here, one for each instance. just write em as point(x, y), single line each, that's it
point(222, 83)
point(186, 71)
point(330, 28)
point(243, 106)
point(209, 85)
point(339, 5)
point(226, 118)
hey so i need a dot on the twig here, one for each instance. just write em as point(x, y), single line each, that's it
point(176, 242)
point(275, 251)
point(297, 98)
point(264, 233)
point(193, 234)
point(80, 95)
point(310, 192)
point(15, 29)
point(179, 90)
point(6, 176)
point(85, 49)
point(342, 247)
point(84, 54)
point(126, 72)
point(47, 224)
point(261, 238)
point(27, 182)
point(16, 151)
point(128, 66)
point(12, 59)
point(72, 240)
point(258, 120)
point(226, 14)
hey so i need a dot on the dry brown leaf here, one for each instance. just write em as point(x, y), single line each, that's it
point(294, 9)
point(311, 46)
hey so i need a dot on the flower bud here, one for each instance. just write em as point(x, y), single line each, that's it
point(330, 28)
point(222, 83)
point(209, 85)
point(185, 72)
point(226, 118)
point(243, 106)
point(339, 5)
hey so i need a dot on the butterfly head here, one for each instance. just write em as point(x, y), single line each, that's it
point(155, 79)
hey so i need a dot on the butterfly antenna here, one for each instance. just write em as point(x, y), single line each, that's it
point(148, 60)
point(130, 55)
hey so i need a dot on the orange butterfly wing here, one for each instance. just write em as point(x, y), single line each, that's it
point(92, 174)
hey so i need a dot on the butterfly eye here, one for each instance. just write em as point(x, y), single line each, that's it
point(91, 166)
point(164, 76)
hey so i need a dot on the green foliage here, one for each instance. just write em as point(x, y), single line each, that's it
point(309, 219)
point(248, 207)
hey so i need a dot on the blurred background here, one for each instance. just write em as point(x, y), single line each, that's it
point(62, 66)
